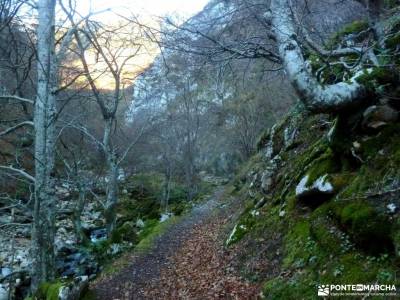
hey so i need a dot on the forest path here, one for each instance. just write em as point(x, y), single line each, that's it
point(188, 261)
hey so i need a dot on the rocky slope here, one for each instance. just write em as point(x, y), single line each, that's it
point(323, 198)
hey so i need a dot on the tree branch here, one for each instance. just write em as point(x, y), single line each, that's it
point(19, 171)
point(11, 129)
point(13, 97)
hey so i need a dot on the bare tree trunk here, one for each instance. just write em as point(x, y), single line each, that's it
point(315, 96)
point(80, 205)
point(167, 185)
point(112, 178)
point(43, 230)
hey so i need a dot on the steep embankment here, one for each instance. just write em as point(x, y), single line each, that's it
point(322, 200)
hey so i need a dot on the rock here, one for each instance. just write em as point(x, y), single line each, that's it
point(282, 213)
point(269, 149)
point(164, 217)
point(22, 257)
point(3, 292)
point(379, 115)
point(74, 290)
point(254, 181)
point(260, 203)
point(115, 249)
point(77, 263)
point(5, 272)
point(320, 186)
point(98, 235)
point(266, 180)
point(392, 208)
point(139, 223)
point(267, 177)
point(356, 145)
point(289, 136)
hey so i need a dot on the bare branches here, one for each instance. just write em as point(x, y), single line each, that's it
point(333, 53)
point(14, 97)
point(13, 128)
point(19, 172)
point(244, 49)
point(316, 97)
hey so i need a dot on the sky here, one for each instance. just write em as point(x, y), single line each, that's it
point(184, 8)
point(145, 10)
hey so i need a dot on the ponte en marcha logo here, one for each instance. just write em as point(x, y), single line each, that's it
point(357, 290)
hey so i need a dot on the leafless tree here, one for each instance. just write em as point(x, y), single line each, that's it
point(109, 47)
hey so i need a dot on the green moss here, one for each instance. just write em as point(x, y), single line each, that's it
point(324, 233)
point(393, 41)
point(354, 27)
point(349, 238)
point(245, 224)
point(296, 240)
point(295, 288)
point(151, 231)
point(377, 77)
point(351, 28)
point(48, 290)
point(368, 228)
point(325, 164)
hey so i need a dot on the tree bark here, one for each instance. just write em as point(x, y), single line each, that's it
point(43, 231)
point(112, 178)
point(79, 207)
point(317, 98)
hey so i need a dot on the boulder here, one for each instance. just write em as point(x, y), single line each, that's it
point(318, 189)
point(75, 289)
point(267, 177)
point(376, 116)
point(139, 223)
point(391, 208)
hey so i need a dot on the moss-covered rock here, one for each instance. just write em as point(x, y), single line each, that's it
point(370, 229)
point(347, 235)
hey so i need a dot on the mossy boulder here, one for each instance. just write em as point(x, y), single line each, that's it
point(369, 228)
point(317, 184)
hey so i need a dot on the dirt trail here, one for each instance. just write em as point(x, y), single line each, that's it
point(186, 262)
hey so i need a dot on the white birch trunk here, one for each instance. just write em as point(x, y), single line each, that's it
point(315, 96)
point(44, 122)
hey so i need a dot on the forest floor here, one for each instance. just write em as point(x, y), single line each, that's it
point(188, 261)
